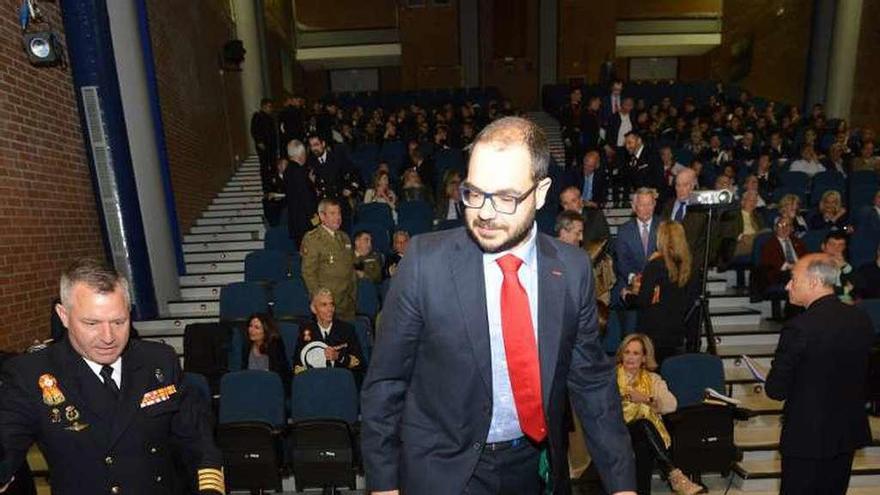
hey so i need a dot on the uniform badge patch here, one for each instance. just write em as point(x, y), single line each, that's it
point(52, 395)
point(158, 395)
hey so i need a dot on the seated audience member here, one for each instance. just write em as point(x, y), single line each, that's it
point(694, 220)
point(715, 155)
point(866, 159)
point(671, 168)
point(424, 167)
point(703, 178)
point(664, 293)
point(570, 228)
point(834, 245)
point(777, 150)
point(275, 198)
point(789, 208)
point(780, 253)
point(751, 183)
point(595, 224)
point(746, 151)
point(835, 162)
point(343, 348)
point(265, 349)
point(636, 240)
point(368, 264)
point(739, 228)
point(302, 201)
point(809, 162)
point(412, 188)
point(723, 182)
point(449, 197)
point(645, 398)
point(766, 176)
point(589, 181)
point(830, 213)
point(866, 280)
point(869, 217)
point(399, 243)
point(381, 191)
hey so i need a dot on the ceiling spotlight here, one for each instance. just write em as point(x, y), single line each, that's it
point(42, 48)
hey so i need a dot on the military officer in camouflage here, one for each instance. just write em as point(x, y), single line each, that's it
point(328, 260)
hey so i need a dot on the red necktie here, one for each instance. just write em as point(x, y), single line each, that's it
point(521, 350)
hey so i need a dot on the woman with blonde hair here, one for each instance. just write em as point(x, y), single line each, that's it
point(644, 398)
point(830, 214)
point(789, 208)
point(664, 292)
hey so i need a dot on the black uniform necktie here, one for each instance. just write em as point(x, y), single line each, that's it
point(109, 383)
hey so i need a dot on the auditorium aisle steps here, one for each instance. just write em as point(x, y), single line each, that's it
point(554, 135)
point(214, 251)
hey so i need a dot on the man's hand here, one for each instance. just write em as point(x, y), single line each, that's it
point(4, 487)
point(591, 204)
point(331, 354)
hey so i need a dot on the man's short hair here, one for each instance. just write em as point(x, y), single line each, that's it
point(565, 219)
point(825, 269)
point(326, 203)
point(645, 191)
point(510, 131)
point(400, 232)
point(265, 101)
point(97, 275)
point(314, 136)
point(633, 133)
point(361, 233)
point(837, 235)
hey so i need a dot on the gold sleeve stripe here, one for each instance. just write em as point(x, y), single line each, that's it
point(211, 477)
point(212, 486)
point(210, 471)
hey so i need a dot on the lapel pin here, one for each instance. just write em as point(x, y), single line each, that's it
point(556, 273)
point(52, 395)
point(160, 377)
point(55, 415)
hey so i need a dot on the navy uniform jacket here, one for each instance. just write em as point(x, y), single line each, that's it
point(427, 400)
point(94, 444)
point(341, 333)
point(819, 370)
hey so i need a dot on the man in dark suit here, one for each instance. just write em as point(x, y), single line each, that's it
point(595, 223)
point(694, 222)
point(589, 181)
point(642, 165)
point(635, 242)
point(344, 348)
point(302, 202)
point(617, 126)
point(819, 370)
point(265, 136)
point(291, 120)
point(612, 103)
point(780, 253)
point(459, 396)
point(109, 413)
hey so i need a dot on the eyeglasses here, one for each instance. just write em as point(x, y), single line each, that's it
point(503, 203)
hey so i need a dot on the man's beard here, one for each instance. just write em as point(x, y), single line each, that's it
point(519, 234)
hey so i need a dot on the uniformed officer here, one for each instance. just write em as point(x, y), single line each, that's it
point(328, 260)
point(108, 412)
point(343, 348)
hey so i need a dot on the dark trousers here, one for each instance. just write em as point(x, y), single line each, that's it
point(816, 476)
point(512, 471)
point(267, 163)
point(650, 451)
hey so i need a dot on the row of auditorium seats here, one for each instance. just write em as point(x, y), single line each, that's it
point(424, 97)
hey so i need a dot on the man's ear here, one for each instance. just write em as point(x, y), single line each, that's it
point(61, 311)
point(541, 192)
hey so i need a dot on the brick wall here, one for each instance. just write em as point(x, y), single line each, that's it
point(48, 214)
point(201, 108)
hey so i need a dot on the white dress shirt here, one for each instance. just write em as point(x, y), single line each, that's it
point(117, 370)
point(505, 422)
point(625, 127)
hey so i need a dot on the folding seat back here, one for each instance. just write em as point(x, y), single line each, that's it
point(376, 213)
point(323, 455)
point(291, 300)
point(289, 335)
point(265, 266)
point(239, 300)
point(813, 239)
point(251, 456)
point(324, 393)
point(252, 396)
point(205, 346)
point(197, 383)
point(416, 217)
point(688, 376)
point(278, 239)
point(367, 299)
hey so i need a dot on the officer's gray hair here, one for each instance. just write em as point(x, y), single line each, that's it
point(296, 150)
point(323, 291)
point(645, 191)
point(96, 275)
point(825, 269)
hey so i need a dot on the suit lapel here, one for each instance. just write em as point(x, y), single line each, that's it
point(551, 297)
point(466, 261)
point(135, 378)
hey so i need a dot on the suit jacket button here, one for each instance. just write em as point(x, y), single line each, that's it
point(108, 460)
point(477, 446)
point(158, 479)
point(115, 489)
point(153, 450)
